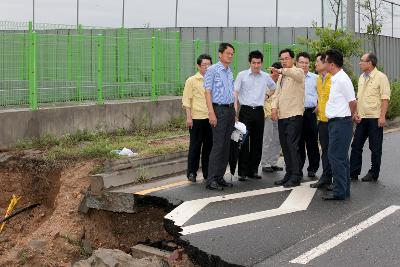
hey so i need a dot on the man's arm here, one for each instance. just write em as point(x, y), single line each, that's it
point(353, 109)
point(296, 74)
point(187, 101)
point(384, 108)
point(211, 114)
point(275, 101)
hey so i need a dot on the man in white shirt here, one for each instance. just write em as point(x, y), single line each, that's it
point(250, 89)
point(340, 109)
point(309, 134)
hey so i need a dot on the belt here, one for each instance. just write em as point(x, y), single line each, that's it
point(339, 118)
point(223, 105)
point(252, 107)
point(307, 109)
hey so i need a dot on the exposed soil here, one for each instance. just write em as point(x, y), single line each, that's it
point(170, 140)
point(55, 233)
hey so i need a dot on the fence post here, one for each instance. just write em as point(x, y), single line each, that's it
point(121, 62)
point(78, 61)
point(100, 44)
point(178, 63)
point(267, 54)
point(197, 49)
point(69, 57)
point(32, 75)
point(235, 58)
point(160, 63)
point(153, 69)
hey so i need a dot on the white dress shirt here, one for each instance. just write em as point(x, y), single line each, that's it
point(341, 93)
point(251, 87)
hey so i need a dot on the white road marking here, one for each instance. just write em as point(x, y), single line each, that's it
point(333, 242)
point(299, 199)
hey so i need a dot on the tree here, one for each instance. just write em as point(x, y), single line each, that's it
point(335, 6)
point(372, 15)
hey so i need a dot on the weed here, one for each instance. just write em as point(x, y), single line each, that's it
point(23, 256)
point(142, 176)
point(394, 104)
point(76, 243)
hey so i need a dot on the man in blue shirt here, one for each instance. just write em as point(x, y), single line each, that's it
point(218, 82)
point(250, 89)
point(309, 135)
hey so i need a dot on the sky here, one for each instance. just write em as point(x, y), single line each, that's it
point(161, 13)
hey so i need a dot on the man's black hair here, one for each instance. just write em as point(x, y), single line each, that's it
point(372, 57)
point(287, 50)
point(256, 54)
point(203, 56)
point(322, 55)
point(335, 56)
point(224, 46)
point(277, 65)
point(303, 54)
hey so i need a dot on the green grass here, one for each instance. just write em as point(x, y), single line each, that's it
point(92, 145)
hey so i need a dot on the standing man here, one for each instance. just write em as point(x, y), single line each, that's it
point(271, 145)
point(323, 89)
point(289, 101)
point(218, 82)
point(373, 101)
point(250, 88)
point(341, 106)
point(194, 102)
point(309, 134)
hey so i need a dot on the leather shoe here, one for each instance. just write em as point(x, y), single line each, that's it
point(214, 186)
point(291, 183)
point(243, 178)
point(369, 178)
point(311, 174)
point(224, 183)
point(277, 168)
point(332, 197)
point(255, 176)
point(267, 169)
point(281, 182)
point(192, 177)
point(319, 184)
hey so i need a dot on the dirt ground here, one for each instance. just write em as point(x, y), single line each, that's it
point(55, 233)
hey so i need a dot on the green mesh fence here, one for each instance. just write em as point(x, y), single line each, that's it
point(67, 65)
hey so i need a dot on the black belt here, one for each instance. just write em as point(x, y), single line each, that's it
point(252, 107)
point(339, 118)
point(223, 105)
point(307, 109)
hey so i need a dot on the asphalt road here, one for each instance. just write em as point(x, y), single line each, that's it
point(255, 223)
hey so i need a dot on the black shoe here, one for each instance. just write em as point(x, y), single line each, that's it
point(291, 183)
point(214, 186)
point(281, 182)
point(319, 184)
point(369, 178)
point(224, 183)
point(255, 176)
point(332, 197)
point(354, 178)
point(243, 178)
point(267, 169)
point(192, 177)
point(277, 168)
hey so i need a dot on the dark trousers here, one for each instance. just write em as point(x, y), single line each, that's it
point(367, 128)
point(200, 142)
point(309, 141)
point(289, 137)
point(251, 150)
point(340, 133)
point(323, 132)
point(219, 155)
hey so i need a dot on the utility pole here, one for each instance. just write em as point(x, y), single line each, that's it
point(123, 13)
point(227, 16)
point(322, 13)
point(176, 13)
point(77, 14)
point(351, 8)
point(276, 13)
point(33, 15)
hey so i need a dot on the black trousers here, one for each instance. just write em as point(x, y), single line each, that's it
point(289, 137)
point(367, 128)
point(323, 132)
point(219, 155)
point(309, 141)
point(251, 150)
point(200, 143)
